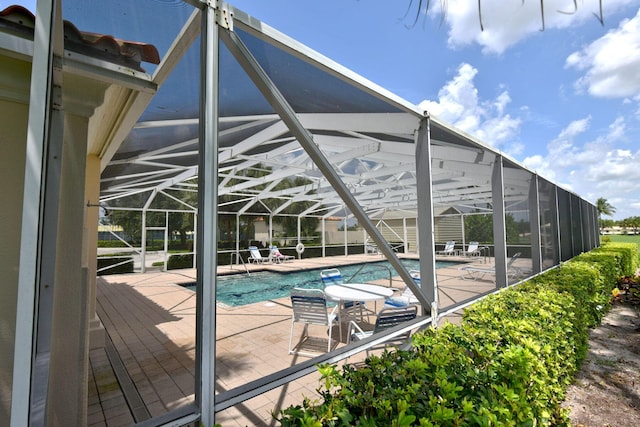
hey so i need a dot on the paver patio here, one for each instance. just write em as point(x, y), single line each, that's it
point(151, 323)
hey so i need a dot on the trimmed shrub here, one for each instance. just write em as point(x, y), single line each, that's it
point(626, 254)
point(180, 261)
point(508, 363)
point(111, 244)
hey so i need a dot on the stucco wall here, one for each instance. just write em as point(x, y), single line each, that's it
point(12, 157)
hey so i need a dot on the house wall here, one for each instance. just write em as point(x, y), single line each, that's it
point(71, 293)
point(13, 122)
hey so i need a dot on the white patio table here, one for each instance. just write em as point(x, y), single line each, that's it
point(357, 292)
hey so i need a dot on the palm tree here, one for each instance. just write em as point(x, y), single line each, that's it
point(604, 207)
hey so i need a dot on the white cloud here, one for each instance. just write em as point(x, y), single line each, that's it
point(508, 22)
point(459, 104)
point(611, 63)
point(575, 128)
point(601, 167)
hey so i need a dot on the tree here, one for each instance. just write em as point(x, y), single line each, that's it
point(604, 207)
point(607, 223)
point(308, 224)
point(632, 223)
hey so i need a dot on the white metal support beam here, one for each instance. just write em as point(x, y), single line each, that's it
point(288, 115)
point(39, 231)
point(427, 294)
point(206, 282)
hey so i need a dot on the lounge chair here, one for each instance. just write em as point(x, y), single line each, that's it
point(278, 257)
point(473, 250)
point(310, 308)
point(255, 256)
point(473, 272)
point(387, 318)
point(371, 248)
point(449, 248)
point(407, 297)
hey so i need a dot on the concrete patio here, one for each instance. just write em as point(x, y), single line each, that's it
point(148, 365)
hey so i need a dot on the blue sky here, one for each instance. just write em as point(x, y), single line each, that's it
point(564, 101)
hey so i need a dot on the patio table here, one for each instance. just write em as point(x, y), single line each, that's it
point(357, 292)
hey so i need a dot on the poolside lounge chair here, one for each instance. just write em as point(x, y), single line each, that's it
point(371, 248)
point(407, 297)
point(278, 257)
point(473, 272)
point(473, 250)
point(387, 318)
point(449, 248)
point(310, 308)
point(255, 256)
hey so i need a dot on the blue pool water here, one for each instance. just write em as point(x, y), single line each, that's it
point(240, 289)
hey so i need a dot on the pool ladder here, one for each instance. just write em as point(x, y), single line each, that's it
point(239, 260)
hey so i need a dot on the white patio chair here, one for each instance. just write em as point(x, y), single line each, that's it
point(331, 276)
point(449, 248)
point(387, 318)
point(407, 297)
point(310, 308)
point(255, 257)
point(473, 250)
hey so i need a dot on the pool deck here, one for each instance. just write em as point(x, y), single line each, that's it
point(147, 367)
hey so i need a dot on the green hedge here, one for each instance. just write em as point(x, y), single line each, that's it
point(508, 363)
point(111, 244)
point(180, 261)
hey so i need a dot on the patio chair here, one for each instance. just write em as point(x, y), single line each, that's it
point(310, 308)
point(255, 257)
point(473, 250)
point(473, 272)
point(449, 248)
point(349, 309)
point(387, 318)
point(331, 276)
point(371, 248)
point(407, 297)
point(278, 257)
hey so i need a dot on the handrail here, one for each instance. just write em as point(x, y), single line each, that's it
point(239, 260)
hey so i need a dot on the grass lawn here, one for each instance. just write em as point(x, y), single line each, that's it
point(623, 238)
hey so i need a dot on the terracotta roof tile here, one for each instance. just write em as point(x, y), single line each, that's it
point(21, 22)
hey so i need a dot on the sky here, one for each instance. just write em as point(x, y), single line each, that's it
point(559, 95)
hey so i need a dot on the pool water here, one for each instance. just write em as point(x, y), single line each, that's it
point(241, 289)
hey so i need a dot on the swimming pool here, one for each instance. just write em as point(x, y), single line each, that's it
point(241, 289)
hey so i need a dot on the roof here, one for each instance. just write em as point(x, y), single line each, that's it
point(366, 132)
point(21, 22)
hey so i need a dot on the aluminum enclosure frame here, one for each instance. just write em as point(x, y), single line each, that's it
point(419, 175)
